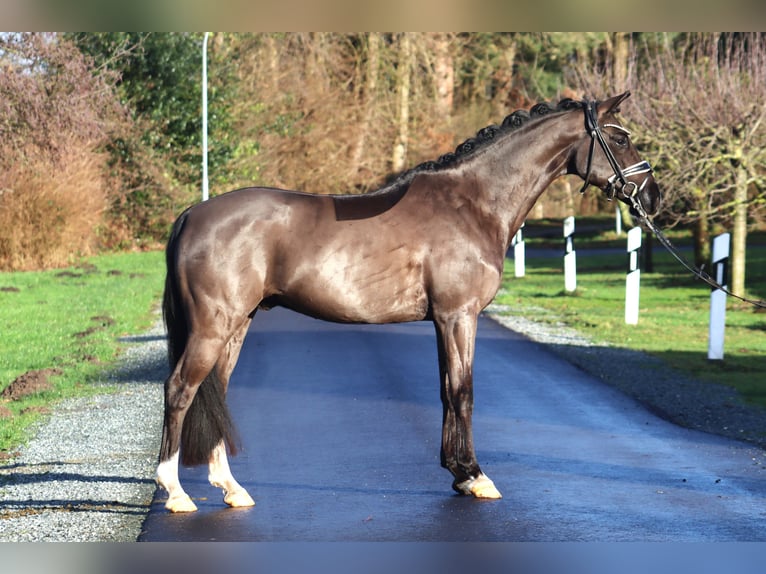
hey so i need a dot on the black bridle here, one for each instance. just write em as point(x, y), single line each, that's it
point(621, 175)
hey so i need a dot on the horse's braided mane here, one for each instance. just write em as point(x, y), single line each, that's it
point(484, 137)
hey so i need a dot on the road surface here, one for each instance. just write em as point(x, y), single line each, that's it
point(340, 426)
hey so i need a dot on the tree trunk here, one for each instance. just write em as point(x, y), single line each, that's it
point(368, 97)
point(627, 218)
point(566, 186)
point(701, 233)
point(502, 102)
point(739, 232)
point(403, 79)
point(273, 56)
point(620, 54)
point(647, 252)
point(444, 74)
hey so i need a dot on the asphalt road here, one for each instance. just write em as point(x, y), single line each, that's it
point(340, 426)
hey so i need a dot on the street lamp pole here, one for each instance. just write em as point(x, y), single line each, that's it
point(204, 118)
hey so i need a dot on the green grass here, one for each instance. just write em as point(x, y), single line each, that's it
point(674, 308)
point(70, 319)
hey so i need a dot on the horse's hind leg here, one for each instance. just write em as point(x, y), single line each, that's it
point(456, 335)
point(196, 363)
point(219, 472)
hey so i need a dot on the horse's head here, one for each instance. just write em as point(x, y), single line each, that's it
point(606, 158)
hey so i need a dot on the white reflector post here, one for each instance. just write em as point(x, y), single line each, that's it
point(519, 253)
point(633, 278)
point(617, 220)
point(570, 258)
point(718, 297)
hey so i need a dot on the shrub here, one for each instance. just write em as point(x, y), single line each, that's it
point(49, 211)
point(56, 115)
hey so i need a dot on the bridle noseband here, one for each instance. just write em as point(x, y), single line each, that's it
point(621, 175)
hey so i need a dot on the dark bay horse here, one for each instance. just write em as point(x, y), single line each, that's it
point(428, 246)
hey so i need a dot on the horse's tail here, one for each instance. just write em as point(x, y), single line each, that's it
point(207, 422)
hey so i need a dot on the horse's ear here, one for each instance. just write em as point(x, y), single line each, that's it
point(612, 105)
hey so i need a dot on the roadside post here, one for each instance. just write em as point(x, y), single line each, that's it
point(718, 297)
point(617, 220)
point(570, 257)
point(633, 278)
point(519, 253)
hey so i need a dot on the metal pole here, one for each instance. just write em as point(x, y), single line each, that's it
point(204, 118)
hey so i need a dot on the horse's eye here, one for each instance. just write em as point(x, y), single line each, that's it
point(620, 140)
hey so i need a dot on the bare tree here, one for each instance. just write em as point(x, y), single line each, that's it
point(403, 84)
point(710, 103)
point(618, 44)
point(617, 53)
point(440, 45)
point(699, 107)
point(368, 97)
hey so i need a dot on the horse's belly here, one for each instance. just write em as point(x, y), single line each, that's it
point(382, 306)
point(372, 297)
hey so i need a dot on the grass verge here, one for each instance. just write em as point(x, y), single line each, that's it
point(674, 308)
point(63, 326)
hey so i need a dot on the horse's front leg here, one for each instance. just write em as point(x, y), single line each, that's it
point(456, 337)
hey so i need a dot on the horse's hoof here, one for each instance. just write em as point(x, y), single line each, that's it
point(181, 504)
point(239, 499)
point(483, 487)
point(479, 487)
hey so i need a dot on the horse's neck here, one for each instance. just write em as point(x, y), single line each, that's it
point(518, 169)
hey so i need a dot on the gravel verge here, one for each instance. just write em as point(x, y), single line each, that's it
point(88, 475)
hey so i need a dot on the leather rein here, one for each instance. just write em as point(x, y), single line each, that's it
point(594, 131)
